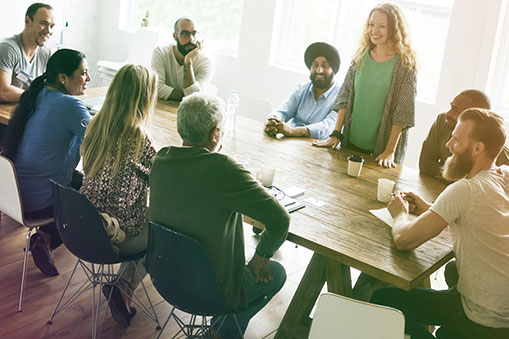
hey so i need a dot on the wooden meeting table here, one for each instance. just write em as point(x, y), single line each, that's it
point(335, 224)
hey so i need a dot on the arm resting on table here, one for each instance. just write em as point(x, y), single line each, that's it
point(409, 235)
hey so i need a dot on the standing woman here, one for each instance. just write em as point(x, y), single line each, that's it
point(43, 140)
point(117, 159)
point(376, 104)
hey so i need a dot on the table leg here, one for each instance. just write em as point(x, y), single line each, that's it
point(338, 278)
point(426, 283)
point(303, 300)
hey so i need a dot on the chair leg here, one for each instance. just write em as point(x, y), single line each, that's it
point(96, 307)
point(238, 325)
point(151, 313)
point(24, 274)
point(56, 310)
point(165, 323)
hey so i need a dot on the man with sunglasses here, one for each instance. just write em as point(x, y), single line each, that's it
point(181, 66)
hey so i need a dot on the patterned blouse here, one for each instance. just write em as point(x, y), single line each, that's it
point(399, 108)
point(124, 197)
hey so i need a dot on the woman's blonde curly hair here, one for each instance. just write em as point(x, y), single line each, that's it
point(398, 36)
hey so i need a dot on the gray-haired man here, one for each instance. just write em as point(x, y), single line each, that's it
point(203, 193)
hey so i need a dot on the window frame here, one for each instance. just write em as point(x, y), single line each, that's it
point(285, 17)
point(127, 22)
point(499, 66)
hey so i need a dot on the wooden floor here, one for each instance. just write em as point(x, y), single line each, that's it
point(42, 293)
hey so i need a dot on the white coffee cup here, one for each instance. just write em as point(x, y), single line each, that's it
point(385, 187)
point(266, 176)
point(355, 165)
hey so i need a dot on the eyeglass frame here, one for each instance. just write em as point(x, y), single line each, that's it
point(186, 34)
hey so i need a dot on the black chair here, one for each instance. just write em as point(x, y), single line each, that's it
point(190, 285)
point(81, 229)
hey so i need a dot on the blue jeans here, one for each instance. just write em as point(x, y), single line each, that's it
point(424, 306)
point(258, 295)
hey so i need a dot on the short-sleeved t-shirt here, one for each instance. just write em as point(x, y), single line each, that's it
point(14, 61)
point(49, 148)
point(372, 85)
point(477, 211)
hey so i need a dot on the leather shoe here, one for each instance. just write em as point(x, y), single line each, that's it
point(117, 306)
point(42, 258)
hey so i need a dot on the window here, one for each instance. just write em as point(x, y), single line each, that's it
point(499, 85)
point(218, 22)
point(340, 22)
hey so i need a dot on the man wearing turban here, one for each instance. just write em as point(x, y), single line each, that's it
point(308, 111)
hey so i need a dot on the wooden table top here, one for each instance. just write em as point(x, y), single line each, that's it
point(342, 229)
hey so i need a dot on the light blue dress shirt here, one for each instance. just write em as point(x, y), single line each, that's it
point(301, 109)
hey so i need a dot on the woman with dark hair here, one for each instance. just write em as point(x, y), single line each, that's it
point(43, 140)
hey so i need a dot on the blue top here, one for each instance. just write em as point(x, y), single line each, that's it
point(301, 109)
point(49, 147)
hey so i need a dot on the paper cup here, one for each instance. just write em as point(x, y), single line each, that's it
point(355, 165)
point(385, 187)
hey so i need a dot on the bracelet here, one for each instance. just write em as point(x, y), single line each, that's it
point(337, 134)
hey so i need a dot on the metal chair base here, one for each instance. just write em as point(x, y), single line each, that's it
point(99, 275)
point(194, 330)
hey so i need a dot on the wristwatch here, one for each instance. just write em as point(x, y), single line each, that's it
point(337, 134)
point(263, 256)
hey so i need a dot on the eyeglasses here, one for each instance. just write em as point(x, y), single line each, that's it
point(187, 34)
point(276, 192)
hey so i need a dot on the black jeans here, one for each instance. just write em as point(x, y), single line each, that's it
point(47, 212)
point(424, 306)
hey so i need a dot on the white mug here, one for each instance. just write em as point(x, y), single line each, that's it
point(266, 176)
point(385, 187)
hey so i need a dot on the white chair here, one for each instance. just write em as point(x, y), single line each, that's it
point(337, 316)
point(11, 205)
point(254, 108)
point(140, 52)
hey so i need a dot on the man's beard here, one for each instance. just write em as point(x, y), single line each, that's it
point(458, 166)
point(321, 84)
point(182, 48)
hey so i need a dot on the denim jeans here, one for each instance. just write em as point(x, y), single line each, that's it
point(258, 295)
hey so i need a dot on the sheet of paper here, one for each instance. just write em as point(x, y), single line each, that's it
point(315, 202)
point(384, 215)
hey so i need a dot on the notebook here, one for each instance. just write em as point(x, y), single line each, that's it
point(289, 203)
point(384, 215)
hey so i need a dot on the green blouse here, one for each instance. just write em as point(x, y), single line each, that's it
point(372, 85)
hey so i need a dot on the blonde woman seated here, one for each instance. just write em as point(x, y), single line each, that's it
point(117, 159)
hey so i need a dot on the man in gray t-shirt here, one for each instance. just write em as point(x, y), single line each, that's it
point(23, 56)
point(475, 207)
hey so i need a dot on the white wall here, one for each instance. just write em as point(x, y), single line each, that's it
point(466, 63)
point(82, 30)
